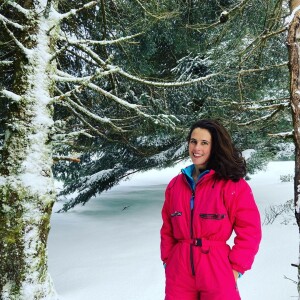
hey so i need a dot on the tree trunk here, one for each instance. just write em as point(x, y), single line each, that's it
point(27, 191)
point(293, 45)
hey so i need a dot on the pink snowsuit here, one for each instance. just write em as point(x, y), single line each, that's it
point(196, 225)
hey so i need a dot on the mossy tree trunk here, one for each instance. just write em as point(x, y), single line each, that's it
point(27, 189)
point(293, 44)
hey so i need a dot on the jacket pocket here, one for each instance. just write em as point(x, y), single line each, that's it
point(213, 216)
point(214, 224)
point(176, 214)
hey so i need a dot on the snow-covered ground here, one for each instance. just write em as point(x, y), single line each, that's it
point(109, 249)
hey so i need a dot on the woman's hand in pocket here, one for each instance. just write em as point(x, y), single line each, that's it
point(236, 274)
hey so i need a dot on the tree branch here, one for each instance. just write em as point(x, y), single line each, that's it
point(18, 7)
point(68, 158)
point(7, 21)
point(6, 63)
point(166, 84)
point(263, 118)
point(10, 95)
point(162, 16)
point(74, 12)
point(91, 115)
point(249, 71)
point(16, 41)
point(228, 14)
point(268, 107)
point(76, 42)
point(284, 135)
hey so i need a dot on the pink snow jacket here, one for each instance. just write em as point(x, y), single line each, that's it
point(211, 210)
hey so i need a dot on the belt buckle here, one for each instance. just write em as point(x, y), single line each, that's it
point(198, 242)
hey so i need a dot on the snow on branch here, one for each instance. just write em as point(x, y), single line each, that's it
point(65, 77)
point(7, 21)
point(86, 83)
point(91, 54)
point(18, 7)
point(6, 62)
point(266, 68)
point(118, 70)
point(16, 41)
point(284, 135)
point(74, 12)
point(289, 19)
point(93, 116)
point(166, 84)
point(268, 107)
point(76, 42)
point(163, 120)
point(261, 119)
point(10, 95)
point(84, 121)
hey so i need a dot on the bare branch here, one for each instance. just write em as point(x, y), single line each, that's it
point(292, 280)
point(72, 159)
point(161, 16)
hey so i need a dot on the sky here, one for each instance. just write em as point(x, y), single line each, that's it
point(109, 248)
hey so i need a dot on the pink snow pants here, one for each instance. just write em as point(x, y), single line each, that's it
point(213, 279)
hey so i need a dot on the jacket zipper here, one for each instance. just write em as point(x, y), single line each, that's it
point(192, 234)
point(192, 204)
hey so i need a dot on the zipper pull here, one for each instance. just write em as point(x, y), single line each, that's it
point(192, 201)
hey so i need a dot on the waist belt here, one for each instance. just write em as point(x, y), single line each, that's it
point(203, 242)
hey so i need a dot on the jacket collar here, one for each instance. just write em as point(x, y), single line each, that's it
point(188, 173)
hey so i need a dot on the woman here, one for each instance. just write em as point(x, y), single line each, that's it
point(202, 207)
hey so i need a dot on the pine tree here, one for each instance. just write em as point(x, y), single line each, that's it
point(61, 88)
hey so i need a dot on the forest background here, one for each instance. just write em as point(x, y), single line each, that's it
point(94, 91)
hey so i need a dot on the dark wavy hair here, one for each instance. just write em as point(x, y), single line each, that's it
point(225, 159)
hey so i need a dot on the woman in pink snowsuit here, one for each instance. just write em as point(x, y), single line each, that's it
point(202, 207)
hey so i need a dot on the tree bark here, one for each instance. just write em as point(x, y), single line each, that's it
point(27, 190)
point(294, 67)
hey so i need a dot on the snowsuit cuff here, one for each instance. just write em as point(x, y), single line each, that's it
point(238, 269)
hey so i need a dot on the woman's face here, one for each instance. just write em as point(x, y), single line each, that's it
point(200, 145)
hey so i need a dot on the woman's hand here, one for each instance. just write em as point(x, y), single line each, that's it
point(236, 274)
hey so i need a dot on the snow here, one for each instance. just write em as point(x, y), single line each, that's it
point(289, 18)
point(109, 249)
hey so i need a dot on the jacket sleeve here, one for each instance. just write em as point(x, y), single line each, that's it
point(167, 240)
point(245, 218)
